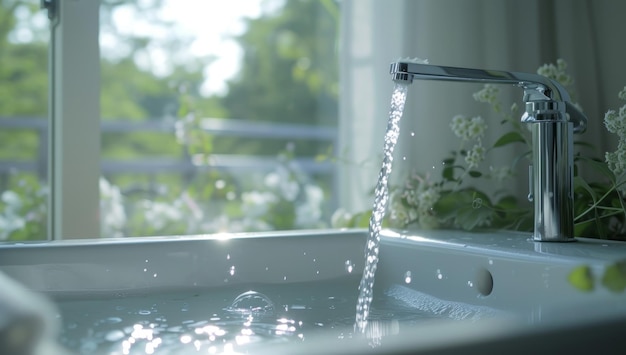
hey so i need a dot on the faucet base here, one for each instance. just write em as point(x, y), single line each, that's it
point(539, 238)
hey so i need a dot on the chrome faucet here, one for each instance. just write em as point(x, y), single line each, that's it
point(553, 120)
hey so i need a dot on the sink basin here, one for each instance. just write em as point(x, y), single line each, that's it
point(436, 292)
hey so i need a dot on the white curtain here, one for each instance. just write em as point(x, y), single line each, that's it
point(491, 34)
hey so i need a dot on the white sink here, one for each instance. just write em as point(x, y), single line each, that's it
point(485, 293)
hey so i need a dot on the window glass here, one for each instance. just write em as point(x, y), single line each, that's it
point(217, 116)
point(24, 38)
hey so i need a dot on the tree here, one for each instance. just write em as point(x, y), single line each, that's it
point(289, 71)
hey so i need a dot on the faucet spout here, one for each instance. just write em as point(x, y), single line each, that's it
point(553, 118)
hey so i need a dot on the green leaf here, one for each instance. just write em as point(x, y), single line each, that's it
point(466, 208)
point(614, 277)
point(507, 202)
point(448, 172)
point(599, 166)
point(508, 138)
point(475, 174)
point(579, 182)
point(447, 205)
point(581, 278)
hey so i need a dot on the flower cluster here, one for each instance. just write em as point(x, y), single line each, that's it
point(557, 72)
point(414, 203)
point(488, 95)
point(615, 122)
point(112, 212)
point(283, 189)
point(471, 129)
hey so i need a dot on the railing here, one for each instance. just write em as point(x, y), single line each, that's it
point(183, 164)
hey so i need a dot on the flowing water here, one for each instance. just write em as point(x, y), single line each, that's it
point(381, 196)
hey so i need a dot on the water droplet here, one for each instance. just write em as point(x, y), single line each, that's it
point(412, 134)
point(232, 270)
point(407, 277)
point(144, 312)
point(349, 266)
point(477, 203)
point(154, 275)
point(470, 284)
point(251, 302)
point(227, 256)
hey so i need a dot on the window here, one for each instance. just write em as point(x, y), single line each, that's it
point(213, 114)
point(179, 117)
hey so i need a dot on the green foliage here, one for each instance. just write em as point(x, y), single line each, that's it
point(581, 278)
point(23, 214)
point(613, 277)
point(289, 73)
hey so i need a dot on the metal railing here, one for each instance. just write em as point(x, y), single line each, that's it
point(183, 164)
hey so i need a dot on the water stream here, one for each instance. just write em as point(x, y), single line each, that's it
point(381, 197)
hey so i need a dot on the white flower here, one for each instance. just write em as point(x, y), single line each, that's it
point(556, 72)
point(112, 213)
point(475, 156)
point(12, 199)
point(282, 182)
point(459, 126)
point(427, 200)
point(489, 94)
point(159, 214)
point(10, 223)
point(622, 94)
point(340, 218)
point(468, 128)
point(612, 121)
point(256, 204)
point(477, 127)
point(309, 213)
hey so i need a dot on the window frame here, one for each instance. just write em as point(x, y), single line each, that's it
point(74, 117)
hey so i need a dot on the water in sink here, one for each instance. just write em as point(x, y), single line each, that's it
point(233, 319)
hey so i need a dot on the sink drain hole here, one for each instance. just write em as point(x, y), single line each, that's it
point(484, 282)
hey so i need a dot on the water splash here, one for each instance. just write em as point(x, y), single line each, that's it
point(381, 197)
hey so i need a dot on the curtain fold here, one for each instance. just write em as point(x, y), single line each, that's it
point(491, 34)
